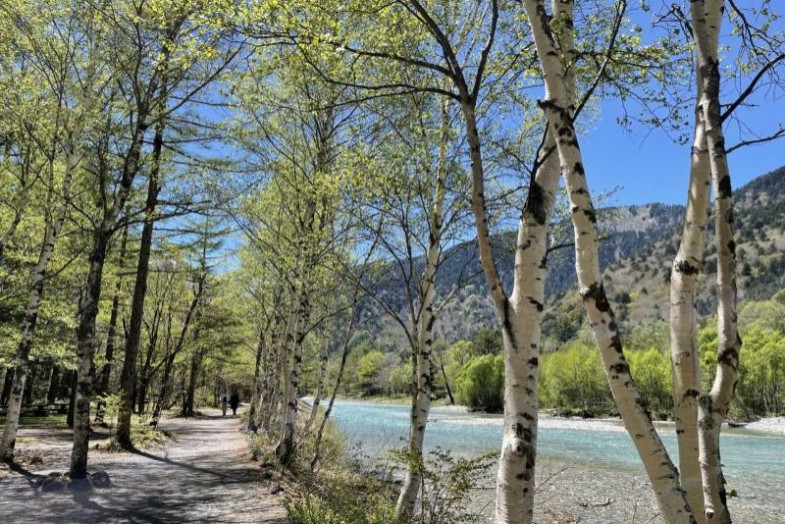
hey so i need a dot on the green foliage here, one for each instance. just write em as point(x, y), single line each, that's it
point(480, 383)
point(651, 371)
point(573, 378)
point(448, 484)
point(368, 369)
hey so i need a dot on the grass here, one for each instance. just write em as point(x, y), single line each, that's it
point(31, 420)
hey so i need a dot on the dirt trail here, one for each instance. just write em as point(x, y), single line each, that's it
point(205, 475)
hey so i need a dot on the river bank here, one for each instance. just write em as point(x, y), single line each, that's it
point(588, 469)
point(550, 419)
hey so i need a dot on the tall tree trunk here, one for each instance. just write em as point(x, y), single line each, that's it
point(684, 324)
point(85, 350)
point(111, 336)
point(637, 421)
point(35, 296)
point(285, 447)
point(421, 402)
point(270, 371)
point(88, 304)
point(713, 406)
point(193, 376)
point(128, 376)
point(164, 389)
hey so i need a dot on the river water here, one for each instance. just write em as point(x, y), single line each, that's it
point(754, 462)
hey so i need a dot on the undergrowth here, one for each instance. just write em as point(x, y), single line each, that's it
point(348, 488)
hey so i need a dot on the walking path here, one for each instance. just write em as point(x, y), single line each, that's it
point(205, 475)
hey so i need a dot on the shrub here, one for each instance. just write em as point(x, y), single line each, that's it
point(480, 383)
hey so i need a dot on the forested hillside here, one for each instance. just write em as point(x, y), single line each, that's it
point(637, 249)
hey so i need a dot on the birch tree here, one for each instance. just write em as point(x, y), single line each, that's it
point(699, 415)
point(61, 146)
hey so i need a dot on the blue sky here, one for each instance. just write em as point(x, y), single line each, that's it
point(648, 167)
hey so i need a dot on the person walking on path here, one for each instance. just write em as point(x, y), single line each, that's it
point(234, 402)
point(224, 399)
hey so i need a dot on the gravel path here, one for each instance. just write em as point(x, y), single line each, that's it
point(205, 475)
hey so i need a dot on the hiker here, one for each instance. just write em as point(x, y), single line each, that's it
point(234, 402)
point(224, 399)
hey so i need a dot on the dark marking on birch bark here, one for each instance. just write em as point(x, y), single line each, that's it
point(535, 203)
point(729, 357)
point(537, 305)
point(596, 292)
point(724, 189)
point(533, 362)
point(685, 268)
point(621, 368)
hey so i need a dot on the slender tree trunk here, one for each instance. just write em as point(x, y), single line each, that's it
point(35, 296)
point(193, 376)
point(164, 390)
point(421, 402)
point(684, 322)
point(270, 372)
point(521, 320)
point(713, 406)
point(128, 376)
point(257, 386)
point(661, 471)
point(684, 325)
point(88, 306)
point(85, 350)
point(111, 336)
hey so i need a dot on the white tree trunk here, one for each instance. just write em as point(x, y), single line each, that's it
point(35, 296)
point(286, 444)
point(713, 407)
point(421, 405)
point(661, 471)
point(684, 321)
point(684, 326)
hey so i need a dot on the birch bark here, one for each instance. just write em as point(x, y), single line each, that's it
point(35, 295)
point(713, 406)
point(421, 406)
point(661, 471)
point(684, 273)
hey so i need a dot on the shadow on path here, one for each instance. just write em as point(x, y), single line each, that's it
point(204, 474)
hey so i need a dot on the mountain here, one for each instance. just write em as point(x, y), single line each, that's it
point(636, 252)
